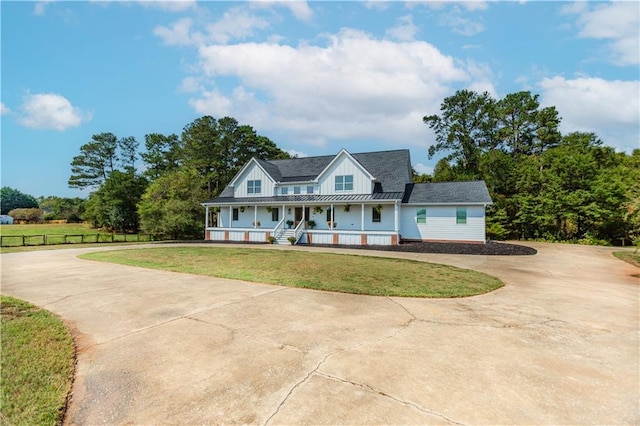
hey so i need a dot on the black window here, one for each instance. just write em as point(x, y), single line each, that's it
point(329, 214)
point(375, 215)
point(274, 215)
point(235, 214)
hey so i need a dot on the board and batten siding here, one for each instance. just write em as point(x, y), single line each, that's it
point(441, 224)
point(254, 172)
point(345, 166)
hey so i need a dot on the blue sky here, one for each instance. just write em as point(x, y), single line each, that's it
point(314, 77)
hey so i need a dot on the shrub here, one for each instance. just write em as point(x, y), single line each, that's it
point(27, 215)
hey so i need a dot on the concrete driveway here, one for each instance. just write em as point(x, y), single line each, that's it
point(559, 344)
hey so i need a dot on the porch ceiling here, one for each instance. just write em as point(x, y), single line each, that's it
point(310, 199)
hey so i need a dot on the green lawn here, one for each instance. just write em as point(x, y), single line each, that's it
point(72, 233)
point(39, 229)
point(321, 271)
point(633, 257)
point(37, 365)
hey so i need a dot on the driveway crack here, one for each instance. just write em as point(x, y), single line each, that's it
point(392, 397)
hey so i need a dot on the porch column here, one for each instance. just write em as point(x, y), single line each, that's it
point(396, 209)
point(206, 217)
point(333, 217)
point(304, 218)
point(362, 218)
point(230, 216)
point(219, 218)
point(255, 216)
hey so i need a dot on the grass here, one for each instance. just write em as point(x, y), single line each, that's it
point(71, 233)
point(320, 271)
point(37, 365)
point(632, 257)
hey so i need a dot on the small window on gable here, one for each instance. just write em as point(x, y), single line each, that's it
point(344, 183)
point(461, 215)
point(274, 214)
point(235, 214)
point(254, 187)
point(284, 190)
point(421, 216)
point(310, 189)
point(296, 190)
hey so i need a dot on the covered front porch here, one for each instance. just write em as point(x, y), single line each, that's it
point(347, 223)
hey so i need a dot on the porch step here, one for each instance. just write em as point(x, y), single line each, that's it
point(282, 239)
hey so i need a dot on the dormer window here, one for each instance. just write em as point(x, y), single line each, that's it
point(254, 187)
point(344, 183)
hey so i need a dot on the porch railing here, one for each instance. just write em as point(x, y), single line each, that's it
point(299, 230)
point(279, 229)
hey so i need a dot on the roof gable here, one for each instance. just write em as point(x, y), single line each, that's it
point(253, 162)
point(344, 153)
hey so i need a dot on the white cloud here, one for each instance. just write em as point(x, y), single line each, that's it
point(406, 30)
point(295, 153)
point(4, 109)
point(423, 169)
point(611, 109)
point(235, 24)
point(354, 86)
point(40, 7)
point(50, 111)
point(299, 8)
point(178, 34)
point(618, 22)
point(376, 4)
point(169, 5)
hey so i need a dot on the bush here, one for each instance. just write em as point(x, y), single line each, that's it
point(27, 215)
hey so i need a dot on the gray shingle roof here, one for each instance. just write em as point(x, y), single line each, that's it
point(392, 170)
point(472, 192)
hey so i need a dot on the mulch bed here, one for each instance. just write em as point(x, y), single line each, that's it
point(492, 248)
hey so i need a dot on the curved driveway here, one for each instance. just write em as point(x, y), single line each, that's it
point(557, 345)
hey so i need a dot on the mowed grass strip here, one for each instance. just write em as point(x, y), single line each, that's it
point(320, 271)
point(37, 364)
point(632, 257)
point(47, 228)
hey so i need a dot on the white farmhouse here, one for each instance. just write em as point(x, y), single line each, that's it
point(350, 199)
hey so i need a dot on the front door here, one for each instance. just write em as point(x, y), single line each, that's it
point(299, 214)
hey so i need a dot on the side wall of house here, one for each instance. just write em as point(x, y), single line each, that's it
point(441, 224)
point(253, 172)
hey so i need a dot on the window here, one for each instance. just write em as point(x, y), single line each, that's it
point(376, 215)
point(421, 217)
point(344, 183)
point(284, 190)
point(329, 214)
point(235, 214)
point(461, 215)
point(254, 187)
point(274, 215)
point(296, 190)
point(310, 189)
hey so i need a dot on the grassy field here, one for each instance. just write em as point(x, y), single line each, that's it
point(37, 365)
point(321, 271)
point(629, 256)
point(72, 233)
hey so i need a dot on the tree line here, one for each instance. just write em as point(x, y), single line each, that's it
point(178, 173)
point(544, 185)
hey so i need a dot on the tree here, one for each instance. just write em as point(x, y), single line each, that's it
point(114, 204)
point(163, 154)
point(11, 199)
point(464, 129)
point(100, 157)
point(217, 149)
point(28, 215)
point(59, 208)
point(171, 205)
point(522, 127)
